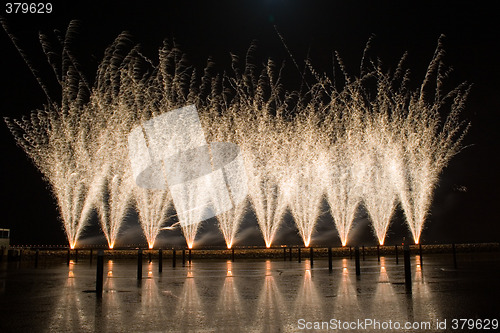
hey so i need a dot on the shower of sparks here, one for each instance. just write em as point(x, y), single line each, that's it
point(379, 192)
point(219, 130)
point(307, 166)
point(344, 185)
point(152, 206)
point(372, 142)
point(114, 176)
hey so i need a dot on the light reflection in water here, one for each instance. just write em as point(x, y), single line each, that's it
point(70, 313)
point(190, 269)
point(421, 291)
point(383, 272)
point(345, 270)
point(307, 265)
point(346, 296)
point(189, 312)
point(271, 309)
point(395, 307)
point(308, 303)
point(110, 268)
point(152, 308)
point(228, 308)
point(104, 315)
point(261, 297)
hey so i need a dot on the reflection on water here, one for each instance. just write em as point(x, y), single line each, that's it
point(150, 270)
point(229, 268)
point(345, 293)
point(421, 291)
point(268, 267)
point(271, 310)
point(238, 296)
point(345, 270)
point(387, 295)
point(189, 312)
point(308, 303)
point(229, 308)
point(110, 268)
point(71, 313)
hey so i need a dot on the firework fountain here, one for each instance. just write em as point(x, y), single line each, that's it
point(345, 182)
point(379, 192)
point(108, 102)
point(381, 157)
point(430, 135)
point(57, 140)
point(412, 135)
point(220, 130)
point(347, 145)
point(159, 93)
point(307, 173)
point(261, 128)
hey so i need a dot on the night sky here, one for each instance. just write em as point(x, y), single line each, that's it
point(311, 28)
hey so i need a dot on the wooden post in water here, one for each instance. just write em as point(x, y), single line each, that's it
point(378, 252)
point(358, 266)
point(99, 274)
point(189, 256)
point(311, 256)
point(406, 255)
point(160, 260)
point(173, 258)
point(284, 254)
point(139, 264)
point(68, 257)
point(330, 265)
point(183, 257)
point(397, 255)
point(290, 253)
point(90, 257)
point(300, 255)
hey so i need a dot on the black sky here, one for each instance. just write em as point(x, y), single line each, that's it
point(215, 28)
